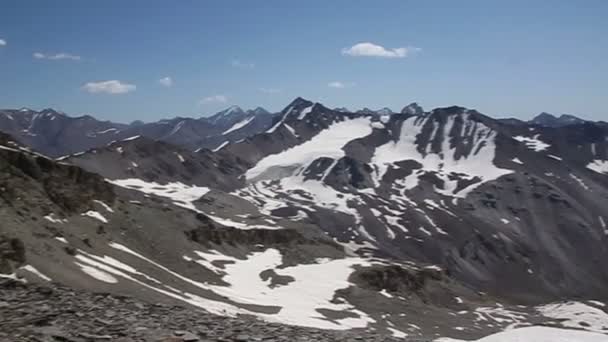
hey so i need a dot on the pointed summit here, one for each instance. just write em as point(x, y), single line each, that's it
point(412, 109)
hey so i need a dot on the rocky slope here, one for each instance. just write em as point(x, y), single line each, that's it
point(440, 224)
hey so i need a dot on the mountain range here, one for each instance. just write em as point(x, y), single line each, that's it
point(427, 224)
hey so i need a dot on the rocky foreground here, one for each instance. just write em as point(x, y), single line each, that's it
point(54, 313)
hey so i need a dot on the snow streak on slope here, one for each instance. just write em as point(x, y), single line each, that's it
point(328, 143)
point(533, 143)
point(538, 334)
point(182, 195)
point(446, 165)
point(599, 166)
point(239, 125)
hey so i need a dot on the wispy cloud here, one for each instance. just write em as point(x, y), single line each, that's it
point(113, 87)
point(166, 81)
point(368, 49)
point(57, 56)
point(2, 42)
point(214, 99)
point(340, 85)
point(270, 90)
point(242, 65)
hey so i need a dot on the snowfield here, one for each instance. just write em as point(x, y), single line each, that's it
point(308, 290)
point(328, 143)
point(479, 164)
point(538, 334)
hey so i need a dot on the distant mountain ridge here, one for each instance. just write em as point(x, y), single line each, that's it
point(550, 120)
point(56, 134)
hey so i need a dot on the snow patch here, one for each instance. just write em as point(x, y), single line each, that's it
point(35, 272)
point(478, 165)
point(131, 138)
point(533, 143)
point(328, 143)
point(599, 166)
point(97, 273)
point(555, 157)
point(579, 181)
point(181, 194)
point(96, 215)
point(575, 314)
point(51, 218)
point(105, 206)
point(221, 146)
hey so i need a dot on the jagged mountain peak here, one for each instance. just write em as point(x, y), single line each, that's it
point(413, 109)
point(298, 102)
point(551, 120)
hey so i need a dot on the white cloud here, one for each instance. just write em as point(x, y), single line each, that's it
point(2, 42)
point(340, 85)
point(242, 65)
point(57, 56)
point(270, 90)
point(109, 87)
point(372, 50)
point(214, 99)
point(166, 81)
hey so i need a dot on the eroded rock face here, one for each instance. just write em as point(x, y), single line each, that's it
point(69, 187)
point(12, 254)
point(396, 279)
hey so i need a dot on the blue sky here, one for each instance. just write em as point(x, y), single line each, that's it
point(504, 58)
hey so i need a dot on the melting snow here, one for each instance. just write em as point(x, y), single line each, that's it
point(106, 131)
point(537, 334)
point(62, 239)
point(221, 146)
point(579, 181)
point(480, 163)
point(572, 314)
point(96, 215)
point(328, 143)
point(37, 273)
point(533, 143)
point(179, 156)
point(131, 138)
point(51, 217)
point(599, 166)
point(291, 130)
point(299, 300)
point(105, 206)
point(554, 157)
point(517, 160)
point(97, 273)
point(305, 112)
point(181, 194)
